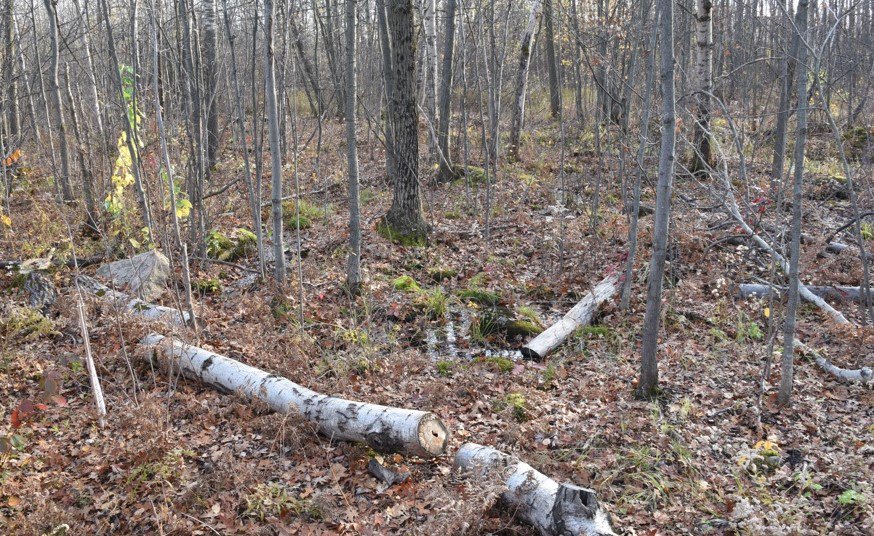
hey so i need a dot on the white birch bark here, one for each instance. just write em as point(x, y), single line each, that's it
point(841, 293)
point(383, 428)
point(554, 509)
point(527, 44)
point(134, 306)
point(92, 369)
point(580, 315)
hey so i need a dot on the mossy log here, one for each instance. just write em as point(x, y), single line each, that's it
point(554, 509)
point(385, 429)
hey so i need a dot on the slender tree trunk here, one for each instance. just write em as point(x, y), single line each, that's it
point(254, 194)
point(702, 156)
point(57, 103)
point(210, 79)
point(389, 82)
point(353, 265)
point(405, 220)
point(275, 154)
point(638, 174)
point(429, 30)
point(551, 62)
point(13, 125)
point(446, 171)
point(649, 373)
point(93, 96)
point(81, 157)
point(785, 392)
point(779, 160)
point(522, 80)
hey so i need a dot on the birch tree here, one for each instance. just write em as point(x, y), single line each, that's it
point(521, 88)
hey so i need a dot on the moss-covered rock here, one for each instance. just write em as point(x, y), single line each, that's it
point(23, 323)
point(480, 296)
point(522, 328)
point(406, 283)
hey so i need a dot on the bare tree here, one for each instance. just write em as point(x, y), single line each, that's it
point(57, 103)
point(275, 151)
point(785, 392)
point(702, 154)
point(649, 372)
point(446, 171)
point(521, 89)
point(353, 264)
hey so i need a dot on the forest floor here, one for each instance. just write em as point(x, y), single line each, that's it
point(180, 458)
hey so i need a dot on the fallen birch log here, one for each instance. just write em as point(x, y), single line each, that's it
point(554, 509)
point(383, 428)
point(134, 306)
point(863, 374)
point(840, 293)
point(580, 315)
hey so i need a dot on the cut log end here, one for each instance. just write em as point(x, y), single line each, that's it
point(433, 435)
point(530, 354)
point(576, 511)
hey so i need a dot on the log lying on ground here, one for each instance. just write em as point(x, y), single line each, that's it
point(385, 429)
point(554, 509)
point(840, 293)
point(134, 306)
point(580, 315)
point(863, 374)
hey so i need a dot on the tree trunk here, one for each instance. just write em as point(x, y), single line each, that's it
point(521, 89)
point(551, 61)
point(554, 509)
point(580, 315)
point(353, 264)
point(649, 374)
point(787, 75)
point(81, 158)
point(446, 171)
point(275, 154)
point(702, 156)
point(57, 103)
point(93, 96)
point(13, 125)
point(785, 392)
point(210, 79)
point(385, 429)
point(429, 30)
point(405, 220)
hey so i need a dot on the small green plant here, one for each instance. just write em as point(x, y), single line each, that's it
point(747, 330)
point(406, 283)
point(435, 303)
point(482, 327)
point(516, 402)
point(444, 368)
point(480, 296)
point(207, 286)
point(549, 375)
point(274, 500)
point(718, 334)
point(596, 331)
point(367, 195)
point(867, 231)
point(851, 497)
point(501, 363)
point(304, 214)
point(531, 314)
point(353, 336)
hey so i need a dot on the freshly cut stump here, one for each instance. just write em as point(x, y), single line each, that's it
point(385, 429)
point(554, 509)
point(580, 315)
point(134, 306)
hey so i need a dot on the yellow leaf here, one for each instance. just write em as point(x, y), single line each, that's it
point(767, 312)
point(6, 220)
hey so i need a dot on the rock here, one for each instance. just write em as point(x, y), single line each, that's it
point(145, 274)
point(41, 293)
